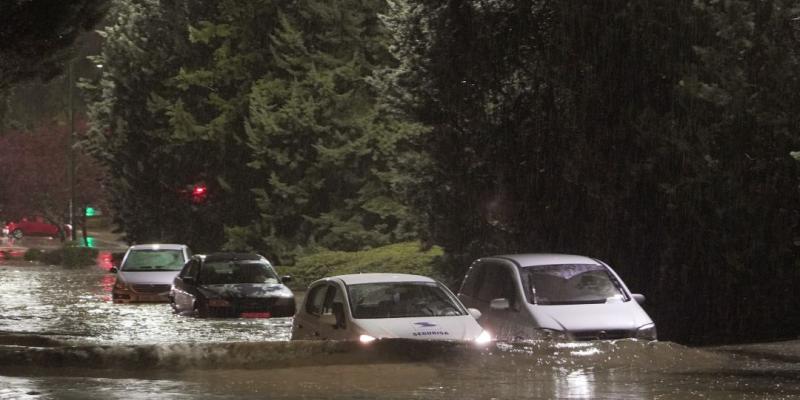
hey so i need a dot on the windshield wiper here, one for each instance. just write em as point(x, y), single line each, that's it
point(569, 302)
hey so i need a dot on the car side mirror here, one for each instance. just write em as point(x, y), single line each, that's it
point(499, 304)
point(286, 278)
point(638, 297)
point(474, 312)
point(113, 270)
point(327, 319)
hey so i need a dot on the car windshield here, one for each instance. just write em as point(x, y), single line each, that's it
point(232, 272)
point(572, 284)
point(404, 299)
point(153, 260)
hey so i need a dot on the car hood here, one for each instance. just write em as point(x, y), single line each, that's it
point(584, 317)
point(424, 328)
point(246, 290)
point(148, 277)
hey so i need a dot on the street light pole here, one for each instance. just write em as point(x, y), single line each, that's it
point(71, 150)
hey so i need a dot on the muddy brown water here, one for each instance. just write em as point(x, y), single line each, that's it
point(62, 338)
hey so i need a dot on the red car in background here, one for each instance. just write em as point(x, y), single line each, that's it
point(35, 226)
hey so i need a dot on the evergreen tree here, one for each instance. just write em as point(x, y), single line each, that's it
point(655, 135)
point(273, 106)
point(145, 46)
point(331, 156)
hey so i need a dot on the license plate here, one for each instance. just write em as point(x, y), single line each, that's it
point(256, 315)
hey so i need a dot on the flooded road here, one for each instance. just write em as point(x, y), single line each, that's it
point(75, 306)
point(62, 338)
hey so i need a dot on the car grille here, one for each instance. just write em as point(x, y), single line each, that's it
point(245, 305)
point(601, 335)
point(141, 288)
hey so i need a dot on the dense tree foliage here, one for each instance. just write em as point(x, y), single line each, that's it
point(327, 153)
point(36, 35)
point(127, 135)
point(272, 106)
point(655, 135)
point(659, 135)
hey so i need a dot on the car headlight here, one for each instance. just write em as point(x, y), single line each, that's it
point(366, 338)
point(647, 332)
point(218, 303)
point(483, 338)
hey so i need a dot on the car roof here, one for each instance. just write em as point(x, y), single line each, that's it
point(158, 246)
point(355, 279)
point(533, 259)
point(231, 257)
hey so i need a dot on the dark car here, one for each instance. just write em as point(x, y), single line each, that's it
point(34, 226)
point(231, 285)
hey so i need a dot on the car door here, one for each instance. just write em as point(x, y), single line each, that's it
point(41, 227)
point(493, 282)
point(335, 324)
point(307, 319)
point(185, 286)
point(323, 315)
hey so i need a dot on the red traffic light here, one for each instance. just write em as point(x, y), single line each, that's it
point(199, 192)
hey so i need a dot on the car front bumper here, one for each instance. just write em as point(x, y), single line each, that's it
point(130, 296)
point(254, 308)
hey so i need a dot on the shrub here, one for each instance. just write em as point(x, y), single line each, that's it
point(404, 257)
point(74, 255)
point(70, 255)
point(33, 255)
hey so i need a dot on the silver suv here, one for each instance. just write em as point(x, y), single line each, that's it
point(567, 297)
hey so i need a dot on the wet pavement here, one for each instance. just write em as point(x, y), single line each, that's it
point(62, 338)
point(74, 305)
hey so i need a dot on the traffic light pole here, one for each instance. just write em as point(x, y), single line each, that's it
point(71, 150)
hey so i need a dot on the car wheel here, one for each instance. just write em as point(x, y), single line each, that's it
point(200, 311)
point(17, 234)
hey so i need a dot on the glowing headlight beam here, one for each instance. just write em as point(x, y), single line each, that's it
point(483, 338)
point(366, 338)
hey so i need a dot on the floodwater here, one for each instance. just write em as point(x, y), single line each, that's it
point(62, 338)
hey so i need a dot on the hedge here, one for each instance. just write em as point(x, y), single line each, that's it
point(406, 257)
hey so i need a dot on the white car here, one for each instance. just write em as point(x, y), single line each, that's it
point(147, 271)
point(567, 297)
point(366, 307)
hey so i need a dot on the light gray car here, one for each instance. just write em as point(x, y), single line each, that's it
point(558, 296)
point(147, 271)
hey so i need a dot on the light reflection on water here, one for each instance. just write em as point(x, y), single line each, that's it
point(112, 351)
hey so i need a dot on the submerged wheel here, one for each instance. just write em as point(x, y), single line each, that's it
point(199, 311)
point(173, 305)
